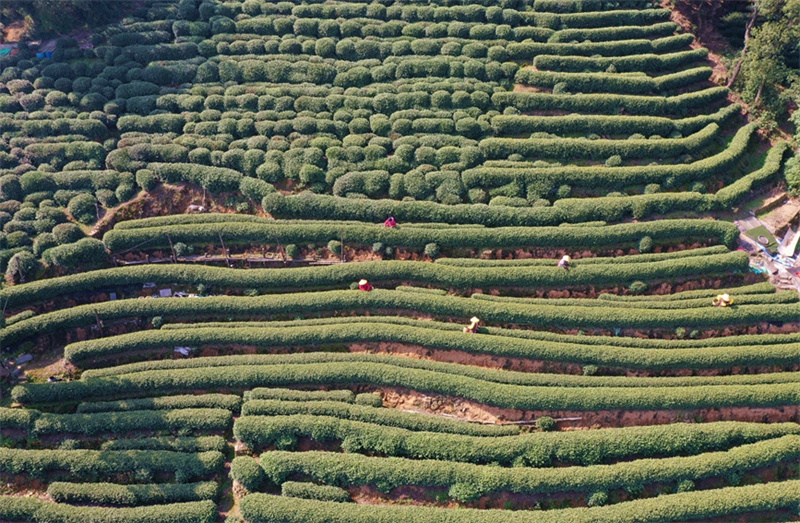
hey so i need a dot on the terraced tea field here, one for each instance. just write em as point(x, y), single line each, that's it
point(190, 198)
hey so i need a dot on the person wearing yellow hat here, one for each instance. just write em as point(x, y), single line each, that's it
point(473, 327)
point(564, 263)
point(364, 285)
point(722, 300)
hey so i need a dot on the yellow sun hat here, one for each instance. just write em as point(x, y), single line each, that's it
point(362, 282)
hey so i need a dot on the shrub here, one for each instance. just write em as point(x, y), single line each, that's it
point(305, 490)
point(107, 198)
point(83, 208)
point(255, 189)
point(114, 494)
point(645, 244)
point(465, 492)
point(791, 171)
point(335, 246)
point(598, 499)
point(17, 239)
point(724, 504)
point(432, 250)
point(292, 251)
point(589, 370)
point(43, 242)
point(67, 233)
point(21, 267)
point(84, 251)
point(652, 188)
point(247, 471)
point(545, 424)
point(181, 249)
point(10, 187)
point(369, 399)
point(637, 287)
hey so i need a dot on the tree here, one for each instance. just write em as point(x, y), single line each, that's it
point(21, 267)
point(765, 75)
point(62, 16)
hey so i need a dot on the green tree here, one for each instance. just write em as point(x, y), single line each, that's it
point(767, 75)
point(62, 16)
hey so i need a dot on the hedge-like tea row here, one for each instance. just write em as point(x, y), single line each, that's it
point(383, 375)
point(534, 450)
point(754, 289)
point(135, 420)
point(17, 419)
point(314, 206)
point(443, 305)
point(193, 219)
point(574, 210)
point(46, 423)
point(297, 489)
point(89, 128)
point(614, 177)
point(65, 152)
point(602, 124)
point(615, 341)
point(114, 494)
point(440, 275)
point(611, 82)
point(83, 353)
point(614, 32)
point(236, 232)
point(608, 18)
point(623, 64)
point(423, 290)
point(614, 48)
point(609, 103)
point(439, 12)
point(214, 179)
point(229, 402)
point(89, 464)
point(780, 297)
point(246, 307)
point(733, 193)
point(661, 232)
point(630, 258)
point(644, 205)
point(706, 504)
point(345, 396)
point(257, 409)
point(498, 43)
point(175, 444)
point(497, 376)
point(387, 473)
point(542, 316)
point(567, 148)
point(35, 509)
